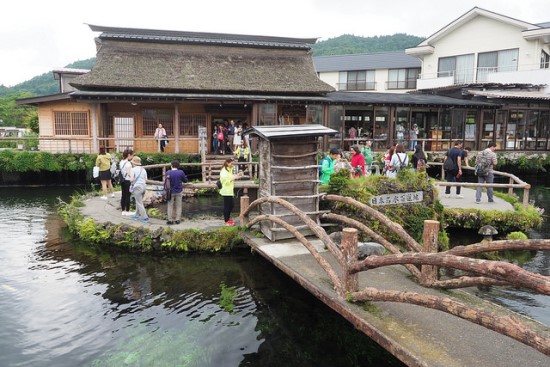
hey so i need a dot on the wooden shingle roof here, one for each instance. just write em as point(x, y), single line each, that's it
point(201, 62)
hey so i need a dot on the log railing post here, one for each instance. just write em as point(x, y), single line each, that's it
point(510, 189)
point(430, 243)
point(349, 251)
point(526, 196)
point(245, 203)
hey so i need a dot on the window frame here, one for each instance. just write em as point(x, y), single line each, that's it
point(72, 120)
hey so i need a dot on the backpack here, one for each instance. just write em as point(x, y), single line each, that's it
point(118, 177)
point(402, 163)
point(483, 163)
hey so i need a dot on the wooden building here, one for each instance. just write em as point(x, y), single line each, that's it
point(187, 81)
point(289, 170)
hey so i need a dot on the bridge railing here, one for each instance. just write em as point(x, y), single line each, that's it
point(514, 182)
point(486, 272)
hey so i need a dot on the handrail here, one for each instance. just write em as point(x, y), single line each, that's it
point(513, 183)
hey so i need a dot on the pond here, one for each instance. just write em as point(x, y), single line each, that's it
point(67, 304)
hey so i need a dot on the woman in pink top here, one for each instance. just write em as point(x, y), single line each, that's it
point(357, 162)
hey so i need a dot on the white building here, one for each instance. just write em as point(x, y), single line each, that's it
point(385, 72)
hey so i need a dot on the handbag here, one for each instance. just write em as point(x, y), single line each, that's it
point(131, 187)
point(95, 172)
point(219, 184)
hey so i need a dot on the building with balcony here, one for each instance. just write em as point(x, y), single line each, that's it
point(385, 72)
point(491, 57)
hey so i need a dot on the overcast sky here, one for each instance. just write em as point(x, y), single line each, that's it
point(37, 36)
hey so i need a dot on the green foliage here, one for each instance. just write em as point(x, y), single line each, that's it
point(350, 44)
point(504, 221)
point(410, 216)
point(516, 236)
point(227, 298)
point(25, 161)
point(223, 239)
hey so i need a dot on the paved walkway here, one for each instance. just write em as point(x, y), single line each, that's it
point(469, 200)
point(103, 211)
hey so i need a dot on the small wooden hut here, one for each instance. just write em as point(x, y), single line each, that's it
point(289, 170)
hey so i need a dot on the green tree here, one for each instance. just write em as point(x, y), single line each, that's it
point(19, 116)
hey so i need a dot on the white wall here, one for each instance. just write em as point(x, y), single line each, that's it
point(482, 34)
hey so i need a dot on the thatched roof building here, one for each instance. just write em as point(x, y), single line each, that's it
point(171, 61)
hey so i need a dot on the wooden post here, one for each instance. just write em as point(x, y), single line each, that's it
point(430, 243)
point(349, 251)
point(510, 189)
point(245, 203)
point(526, 196)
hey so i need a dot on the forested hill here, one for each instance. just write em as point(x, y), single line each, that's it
point(343, 45)
point(349, 44)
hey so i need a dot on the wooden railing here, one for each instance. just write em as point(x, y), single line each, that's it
point(346, 279)
point(513, 182)
point(210, 169)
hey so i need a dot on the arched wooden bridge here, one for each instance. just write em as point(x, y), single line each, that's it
point(417, 336)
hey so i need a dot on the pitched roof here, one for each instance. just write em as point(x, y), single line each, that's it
point(133, 59)
point(383, 60)
point(424, 46)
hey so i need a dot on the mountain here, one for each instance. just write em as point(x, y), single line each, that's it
point(349, 44)
point(343, 45)
point(44, 84)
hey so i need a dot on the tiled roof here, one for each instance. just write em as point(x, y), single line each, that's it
point(511, 94)
point(401, 99)
point(385, 60)
point(225, 39)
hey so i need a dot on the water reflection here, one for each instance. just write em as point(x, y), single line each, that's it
point(67, 304)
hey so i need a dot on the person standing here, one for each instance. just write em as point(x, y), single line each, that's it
point(367, 154)
point(160, 135)
point(241, 153)
point(125, 166)
point(230, 136)
point(176, 177)
point(327, 165)
point(454, 173)
point(398, 161)
point(215, 141)
point(413, 135)
point(357, 162)
point(227, 178)
point(139, 187)
point(418, 159)
point(103, 161)
point(237, 137)
point(490, 157)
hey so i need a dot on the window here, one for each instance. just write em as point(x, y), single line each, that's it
point(189, 123)
point(357, 80)
point(71, 123)
point(151, 119)
point(402, 78)
point(496, 61)
point(460, 67)
point(544, 60)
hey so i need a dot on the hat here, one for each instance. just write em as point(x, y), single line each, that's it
point(136, 161)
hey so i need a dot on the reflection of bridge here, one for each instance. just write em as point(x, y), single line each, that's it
point(375, 294)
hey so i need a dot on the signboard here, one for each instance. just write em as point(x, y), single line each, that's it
point(399, 198)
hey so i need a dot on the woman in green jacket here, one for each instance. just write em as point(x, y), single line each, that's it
point(227, 178)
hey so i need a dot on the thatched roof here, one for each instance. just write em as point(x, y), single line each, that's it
point(177, 61)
